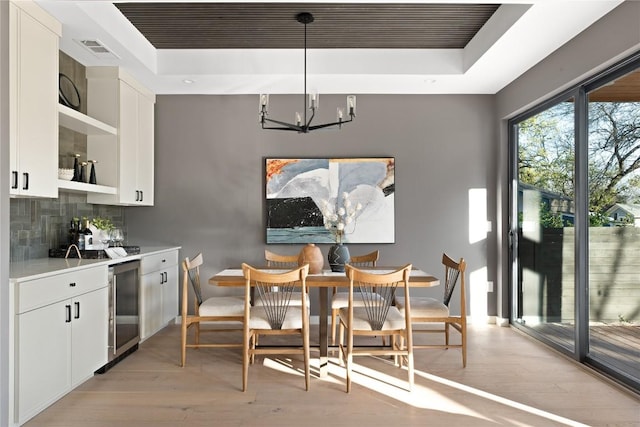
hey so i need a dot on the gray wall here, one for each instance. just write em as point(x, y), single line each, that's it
point(209, 180)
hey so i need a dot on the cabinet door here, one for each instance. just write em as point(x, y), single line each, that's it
point(13, 98)
point(170, 296)
point(145, 150)
point(150, 304)
point(35, 128)
point(128, 128)
point(89, 334)
point(44, 357)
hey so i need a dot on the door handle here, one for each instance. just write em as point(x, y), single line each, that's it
point(26, 181)
point(14, 186)
point(68, 310)
point(141, 195)
point(77, 305)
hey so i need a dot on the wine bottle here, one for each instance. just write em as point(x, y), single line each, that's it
point(88, 235)
point(81, 239)
point(76, 238)
point(72, 234)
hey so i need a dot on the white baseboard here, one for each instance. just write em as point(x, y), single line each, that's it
point(501, 321)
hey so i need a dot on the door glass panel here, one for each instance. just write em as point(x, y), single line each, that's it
point(545, 257)
point(614, 232)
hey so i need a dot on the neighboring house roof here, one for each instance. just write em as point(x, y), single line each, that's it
point(548, 194)
point(633, 209)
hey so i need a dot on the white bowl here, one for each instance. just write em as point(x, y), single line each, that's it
point(65, 174)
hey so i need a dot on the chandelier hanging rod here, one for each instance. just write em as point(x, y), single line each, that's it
point(301, 124)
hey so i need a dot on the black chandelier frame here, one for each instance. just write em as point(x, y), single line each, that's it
point(303, 125)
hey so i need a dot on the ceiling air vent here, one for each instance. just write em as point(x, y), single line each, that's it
point(97, 48)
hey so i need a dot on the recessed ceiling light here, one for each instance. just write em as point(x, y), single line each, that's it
point(188, 81)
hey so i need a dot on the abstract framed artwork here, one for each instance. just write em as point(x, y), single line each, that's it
point(351, 200)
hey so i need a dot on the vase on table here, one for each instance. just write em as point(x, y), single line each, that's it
point(338, 257)
point(311, 254)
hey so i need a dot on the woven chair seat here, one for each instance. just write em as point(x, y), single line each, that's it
point(425, 307)
point(341, 299)
point(395, 319)
point(259, 319)
point(222, 306)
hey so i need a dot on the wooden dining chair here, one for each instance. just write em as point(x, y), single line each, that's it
point(275, 260)
point(341, 299)
point(213, 309)
point(276, 316)
point(280, 261)
point(425, 310)
point(376, 319)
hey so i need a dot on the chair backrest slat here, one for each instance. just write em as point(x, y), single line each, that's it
point(191, 269)
point(452, 272)
point(377, 291)
point(275, 300)
point(366, 260)
point(276, 290)
point(280, 261)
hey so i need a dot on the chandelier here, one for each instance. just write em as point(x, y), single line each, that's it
point(302, 125)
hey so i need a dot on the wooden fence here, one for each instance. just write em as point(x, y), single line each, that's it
point(548, 276)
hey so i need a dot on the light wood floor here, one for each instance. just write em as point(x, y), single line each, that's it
point(510, 380)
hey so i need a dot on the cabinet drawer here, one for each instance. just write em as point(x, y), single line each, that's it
point(40, 292)
point(159, 261)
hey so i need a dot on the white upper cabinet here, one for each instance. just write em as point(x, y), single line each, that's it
point(127, 159)
point(33, 58)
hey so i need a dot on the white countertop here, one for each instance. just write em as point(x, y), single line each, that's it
point(36, 268)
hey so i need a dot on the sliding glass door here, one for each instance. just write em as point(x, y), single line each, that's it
point(614, 232)
point(576, 222)
point(545, 200)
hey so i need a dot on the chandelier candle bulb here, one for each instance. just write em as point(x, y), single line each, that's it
point(313, 100)
point(339, 114)
point(351, 105)
point(298, 119)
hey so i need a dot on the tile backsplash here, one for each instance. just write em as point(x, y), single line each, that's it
point(40, 224)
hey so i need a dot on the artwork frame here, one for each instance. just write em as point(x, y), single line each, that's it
point(330, 200)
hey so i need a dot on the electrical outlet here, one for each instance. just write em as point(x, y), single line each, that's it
point(489, 286)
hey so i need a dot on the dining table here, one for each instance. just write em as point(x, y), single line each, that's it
point(324, 281)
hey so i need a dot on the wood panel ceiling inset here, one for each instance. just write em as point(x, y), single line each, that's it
point(336, 26)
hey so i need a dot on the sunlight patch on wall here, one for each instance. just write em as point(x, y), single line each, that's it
point(478, 224)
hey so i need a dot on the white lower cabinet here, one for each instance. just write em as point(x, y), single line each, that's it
point(158, 292)
point(61, 338)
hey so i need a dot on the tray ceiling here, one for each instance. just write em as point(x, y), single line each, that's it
point(358, 47)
